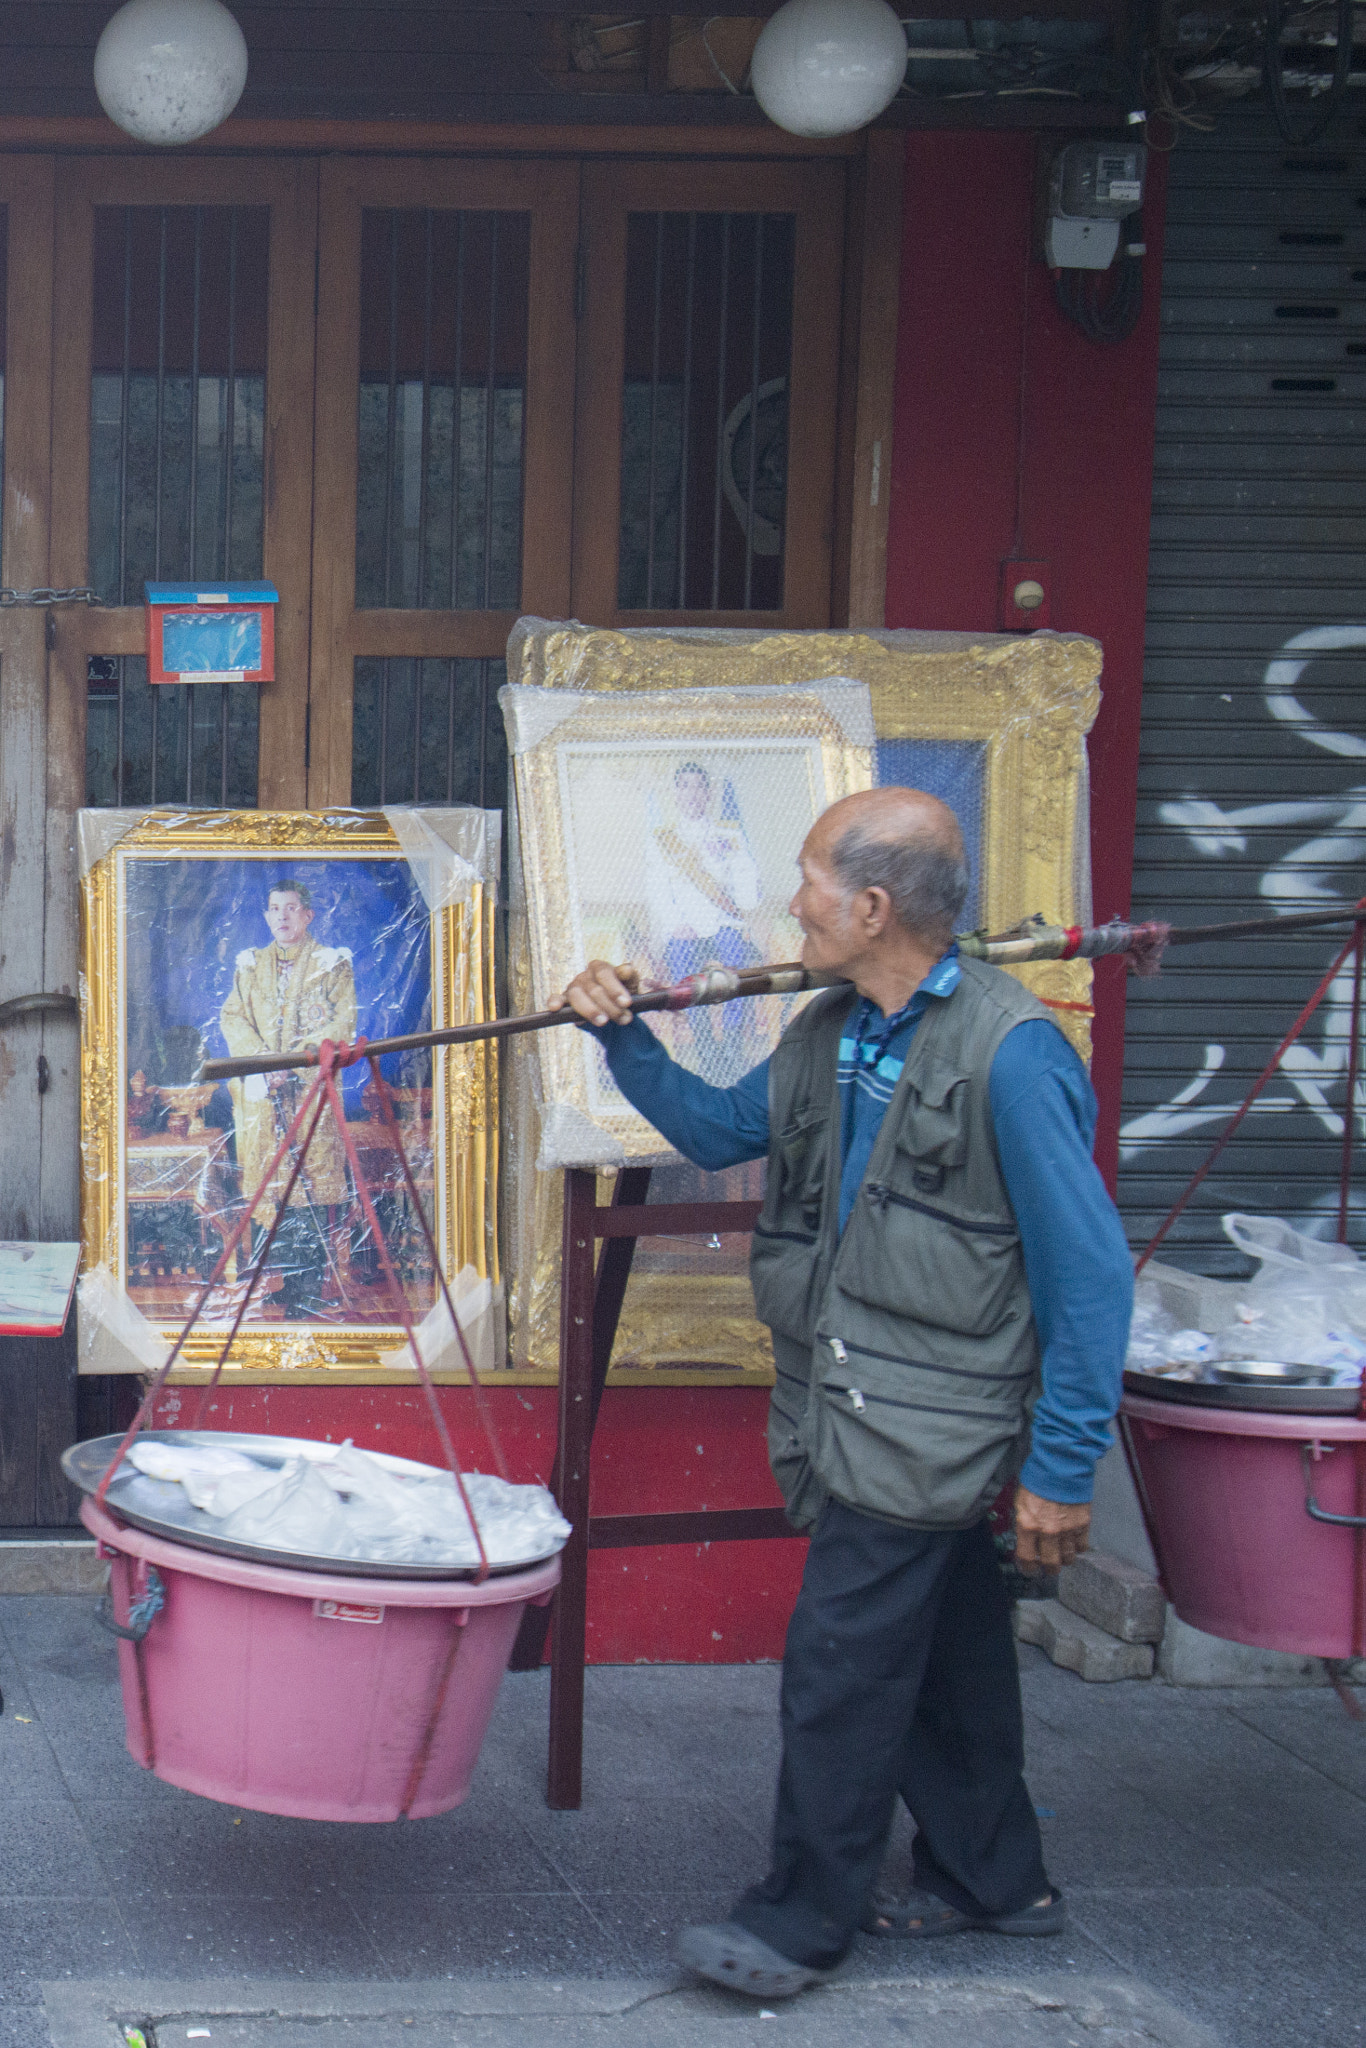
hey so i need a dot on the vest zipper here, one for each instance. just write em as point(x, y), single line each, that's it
point(785, 1236)
point(842, 1358)
point(880, 1194)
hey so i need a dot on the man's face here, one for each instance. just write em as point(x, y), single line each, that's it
point(822, 907)
point(693, 791)
point(287, 917)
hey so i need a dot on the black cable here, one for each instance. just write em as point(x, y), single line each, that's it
point(1105, 304)
point(1322, 107)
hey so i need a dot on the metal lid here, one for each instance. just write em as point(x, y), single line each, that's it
point(163, 1507)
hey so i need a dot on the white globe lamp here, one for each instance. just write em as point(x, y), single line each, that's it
point(169, 71)
point(827, 67)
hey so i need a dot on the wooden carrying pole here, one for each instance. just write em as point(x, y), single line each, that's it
point(1141, 945)
point(713, 985)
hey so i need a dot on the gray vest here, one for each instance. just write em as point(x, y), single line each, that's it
point(906, 1352)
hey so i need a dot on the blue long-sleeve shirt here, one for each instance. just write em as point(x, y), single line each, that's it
point(1077, 1263)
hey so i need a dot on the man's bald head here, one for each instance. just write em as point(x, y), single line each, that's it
point(905, 842)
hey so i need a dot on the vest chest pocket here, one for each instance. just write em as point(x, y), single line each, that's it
point(783, 1254)
point(933, 1138)
point(800, 1160)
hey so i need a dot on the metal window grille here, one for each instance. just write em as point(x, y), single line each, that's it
point(704, 411)
point(428, 732)
point(444, 299)
point(168, 743)
point(177, 436)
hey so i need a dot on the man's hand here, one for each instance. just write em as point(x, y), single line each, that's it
point(1048, 1533)
point(601, 993)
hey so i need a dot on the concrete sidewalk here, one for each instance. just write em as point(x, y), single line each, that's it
point(1211, 1845)
point(620, 2015)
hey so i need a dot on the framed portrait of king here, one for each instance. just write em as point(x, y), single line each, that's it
point(207, 935)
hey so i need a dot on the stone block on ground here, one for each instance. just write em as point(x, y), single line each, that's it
point(1117, 1597)
point(51, 1564)
point(1078, 1645)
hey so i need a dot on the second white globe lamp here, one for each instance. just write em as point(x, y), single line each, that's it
point(827, 67)
point(169, 71)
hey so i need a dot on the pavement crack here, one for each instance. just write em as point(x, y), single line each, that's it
point(1329, 1777)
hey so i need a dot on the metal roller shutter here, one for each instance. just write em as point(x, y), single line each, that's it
point(1252, 779)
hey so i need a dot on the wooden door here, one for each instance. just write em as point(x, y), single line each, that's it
point(444, 464)
point(39, 1063)
point(32, 960)
point(708, 393)
point(166, 272)
point(60, 507)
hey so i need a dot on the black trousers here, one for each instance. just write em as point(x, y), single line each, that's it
point(899, 1675)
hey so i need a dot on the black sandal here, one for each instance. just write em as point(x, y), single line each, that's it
point(919, 1916)
point(916, 1916)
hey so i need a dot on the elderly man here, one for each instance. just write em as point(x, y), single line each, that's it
point(949, 1290)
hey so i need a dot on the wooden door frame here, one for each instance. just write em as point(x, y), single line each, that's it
point(288, 186)
point(39, 1149)
point(872, 308)
point(37, 951)
point(548, 190)
point(815, 193)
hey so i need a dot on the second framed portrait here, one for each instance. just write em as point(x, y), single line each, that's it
point(213, 934)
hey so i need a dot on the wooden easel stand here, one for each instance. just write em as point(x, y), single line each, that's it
point(592, 1290)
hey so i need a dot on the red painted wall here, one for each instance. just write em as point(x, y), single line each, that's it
point(1017, 438)
point(656, 1449)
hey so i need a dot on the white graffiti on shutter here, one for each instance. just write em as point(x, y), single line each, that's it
point(1308, 874)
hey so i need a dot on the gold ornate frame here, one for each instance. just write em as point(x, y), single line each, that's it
point(464, 1078)
point(1030, 701)
point(806, 725)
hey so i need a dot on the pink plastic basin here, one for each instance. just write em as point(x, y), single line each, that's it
point(1224, 1491)
point(328, 1698)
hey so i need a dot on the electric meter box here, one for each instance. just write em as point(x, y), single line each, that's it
point(1092, 187)
point(1098, 180)
point(211, 633)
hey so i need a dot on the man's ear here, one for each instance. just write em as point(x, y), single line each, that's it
point(878, 912)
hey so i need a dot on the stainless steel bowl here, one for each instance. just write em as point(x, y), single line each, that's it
point(1268, 1372)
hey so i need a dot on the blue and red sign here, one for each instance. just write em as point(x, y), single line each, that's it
point(211, 632)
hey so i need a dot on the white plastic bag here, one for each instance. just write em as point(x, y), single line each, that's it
point(299, 1512)
point(1157, 1342)
point(1307, 1304)
point(199, 1468)
point(337, 1501)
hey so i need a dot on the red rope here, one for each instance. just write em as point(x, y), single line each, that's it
point(1350, 1114)
point(1245, 1105)
point(391, 1125)
point(330, 1057)
point(259, 1264)
point(149, 1398)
